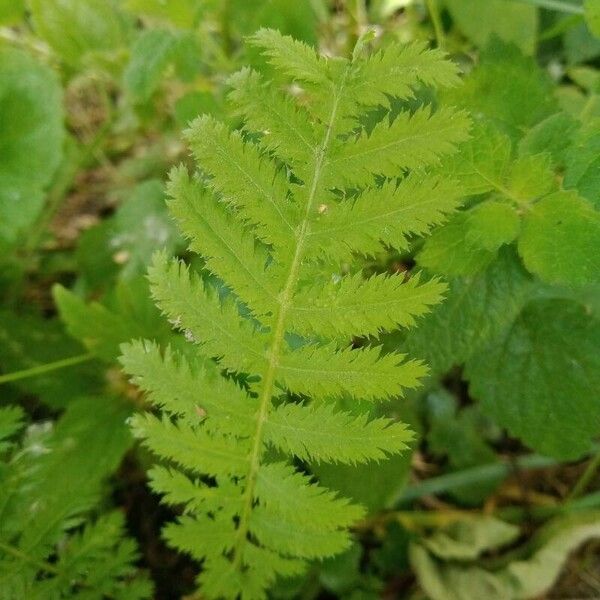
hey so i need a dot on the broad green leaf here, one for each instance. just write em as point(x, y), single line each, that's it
point(576, 102)
point(540, 378)
point(140, 227)
point(11, 11)
point(512, 22)
point(374, 485)
point(508, 88)
point(471, 240)
point(491, 225)
point(29, 341)
point(192, 104)
point(122, 245)
point(585, 77)
point(342, 575)
point(580, 44)
point(150, 55)
point(297, 19)
point(583, 166)
point(182, 13)
point(31, 138)
point(477, 308)
point(89, 443)
point(74, 28)
point(553, 135)
point(482, 163)
point(19, 207)
point(102, 328)
point(592, 15)
point(531, 177)
point(187, 56)
point(560, 241)
point(447, 252)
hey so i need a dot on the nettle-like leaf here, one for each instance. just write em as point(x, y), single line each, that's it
point(559, 225)
point(301, 187)
point(526, 324)
point(557, 231)
point(481, 21)
point(539, 379)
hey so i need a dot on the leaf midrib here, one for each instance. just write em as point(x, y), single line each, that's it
point(279, 332)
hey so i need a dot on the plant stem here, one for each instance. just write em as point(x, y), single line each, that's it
point(584, 481)
point(429, 519)
point(40, 564)
point(46, 368)
point(557, 5)
point(274, 353)
point(24, 41)
point(475, 475)
point(436, 20)
point(560, 27)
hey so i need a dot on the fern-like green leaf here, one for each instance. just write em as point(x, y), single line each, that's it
point(248, 181)
point(190, 388)
point(196, 309)
point(291, 57)
point(191, 448)
point(355, 305)
point(11, 420)
point(298, 188)
point(285, 127)
point(323, 371)
point(229, 250)
point(385, 215)
point(320, 432)
point(411, 141)
point(397, 70)
point(50, 480)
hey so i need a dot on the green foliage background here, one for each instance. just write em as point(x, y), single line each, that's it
point(94, 95)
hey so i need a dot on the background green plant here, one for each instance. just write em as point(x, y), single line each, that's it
point(93, 96)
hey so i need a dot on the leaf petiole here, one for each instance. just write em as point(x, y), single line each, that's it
point(557, 5)
point(434, 14)
point(46, 368)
